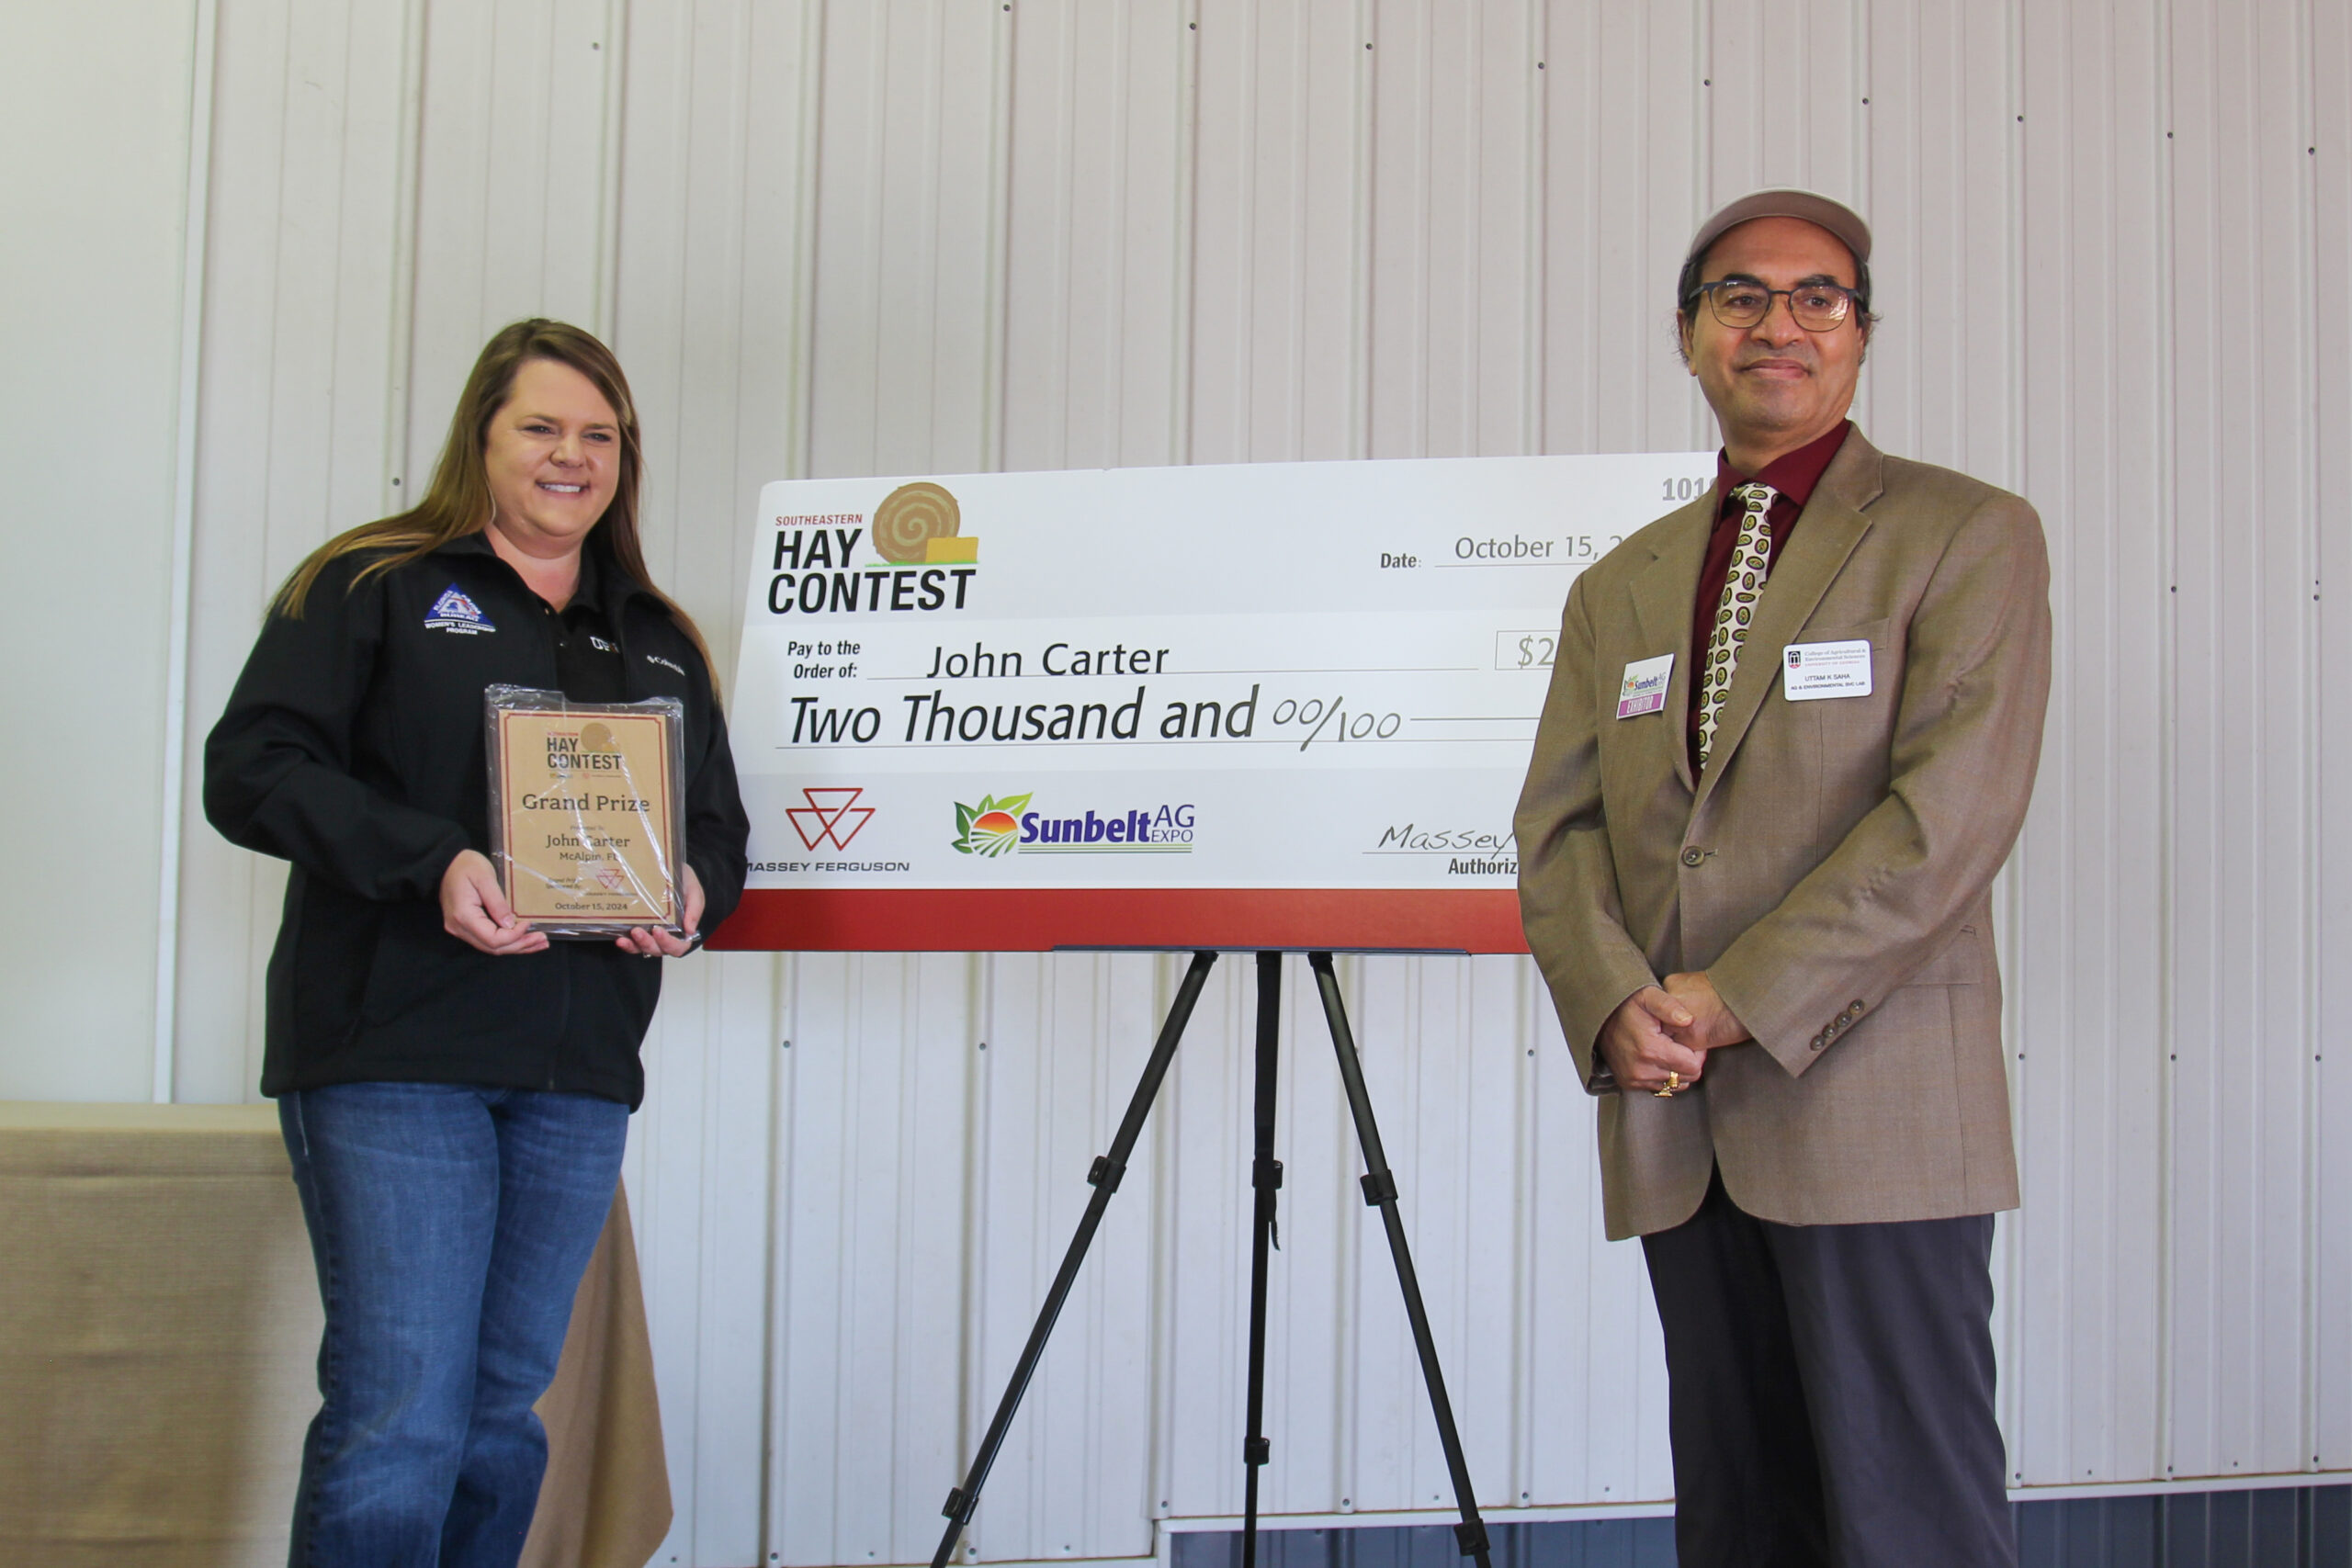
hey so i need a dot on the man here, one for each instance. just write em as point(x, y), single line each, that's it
point(1790, 737)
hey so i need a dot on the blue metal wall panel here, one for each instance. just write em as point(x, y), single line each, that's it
point(2287, 1527)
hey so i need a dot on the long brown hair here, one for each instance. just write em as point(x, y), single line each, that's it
point(457, 502)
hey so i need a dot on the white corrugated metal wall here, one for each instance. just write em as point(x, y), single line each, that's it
point(881, 236)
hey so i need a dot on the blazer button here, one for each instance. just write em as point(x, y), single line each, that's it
point(1820, 1040)
point(1854, 1008)
point(1693, 855)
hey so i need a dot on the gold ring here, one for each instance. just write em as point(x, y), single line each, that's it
point(1673, 1082)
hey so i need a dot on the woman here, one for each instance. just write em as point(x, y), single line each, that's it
point(453, 1089)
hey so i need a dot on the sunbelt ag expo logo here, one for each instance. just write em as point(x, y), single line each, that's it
point(990, 827)
point(1005, 824)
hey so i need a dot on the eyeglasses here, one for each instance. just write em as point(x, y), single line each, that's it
point(1739, 303)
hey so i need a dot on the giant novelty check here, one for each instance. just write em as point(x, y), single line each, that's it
point(1261, 706)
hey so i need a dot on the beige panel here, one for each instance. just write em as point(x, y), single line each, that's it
point(702, 1150)
point(871, 1266)
point(709, 315)
point(1620, 196)
point(1591, 1409)
point(512, 215)
point(1544, 1332)
point(1448, 1087)
point(1067, 1037)
point(306, 281)
point(1782, 88)
point(2086, 958)
point(94, 108)
point(1096, 234)
point(1454, 298)
point(909, 238)
point(714, 271)
point(2242, 894)
point(1279, 241)
point(2328, 155)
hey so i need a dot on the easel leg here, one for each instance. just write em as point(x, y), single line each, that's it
point(1105, 1175)
point(1380, 1191)
point(1266, 1179)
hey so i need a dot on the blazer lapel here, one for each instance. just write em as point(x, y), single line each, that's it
point(1662, 606)
point(1827, 530)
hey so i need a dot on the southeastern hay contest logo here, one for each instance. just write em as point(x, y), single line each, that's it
point(925, 562)
point(588, 749)
point(996, 826)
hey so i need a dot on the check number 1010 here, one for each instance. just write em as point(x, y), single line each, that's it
point(1524, 651)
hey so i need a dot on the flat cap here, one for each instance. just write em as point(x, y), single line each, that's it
point(1811, 206)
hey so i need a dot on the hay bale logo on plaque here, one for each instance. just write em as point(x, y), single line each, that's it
point(585, 819)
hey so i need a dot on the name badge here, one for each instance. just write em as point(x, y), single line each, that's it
point(1812, 671)
point(1644, 688)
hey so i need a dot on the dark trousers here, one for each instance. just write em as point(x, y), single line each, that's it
point(1830, 1391)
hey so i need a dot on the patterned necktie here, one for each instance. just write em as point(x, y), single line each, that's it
point(1751, 560)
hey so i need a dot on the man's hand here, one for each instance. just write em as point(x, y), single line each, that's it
point(1642, 1046)
point(1712, 1025)
point(476, 912)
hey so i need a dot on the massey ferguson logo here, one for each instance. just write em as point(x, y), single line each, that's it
point(832, 816)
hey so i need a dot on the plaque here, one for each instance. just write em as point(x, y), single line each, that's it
point(585, 819)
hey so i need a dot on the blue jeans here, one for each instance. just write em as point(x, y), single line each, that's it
point(450, 1226)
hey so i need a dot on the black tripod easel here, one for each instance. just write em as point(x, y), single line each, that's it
point(1266, 1179)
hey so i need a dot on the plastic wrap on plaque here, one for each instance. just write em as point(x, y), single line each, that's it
point(587, 824)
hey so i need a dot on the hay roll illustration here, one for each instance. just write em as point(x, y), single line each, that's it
point(910, 517)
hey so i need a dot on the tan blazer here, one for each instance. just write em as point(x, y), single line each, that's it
point(1830, 872)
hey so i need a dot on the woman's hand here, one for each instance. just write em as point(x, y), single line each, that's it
point(651, 941)
point(475, 911)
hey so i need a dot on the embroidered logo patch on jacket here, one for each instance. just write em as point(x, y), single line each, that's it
point(453, 612)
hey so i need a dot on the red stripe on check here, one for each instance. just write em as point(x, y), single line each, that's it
point(1036, 920)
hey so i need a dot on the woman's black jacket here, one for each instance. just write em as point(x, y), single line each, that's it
point(353, 746)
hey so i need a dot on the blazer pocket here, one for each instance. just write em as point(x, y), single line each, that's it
point(1848, 738)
